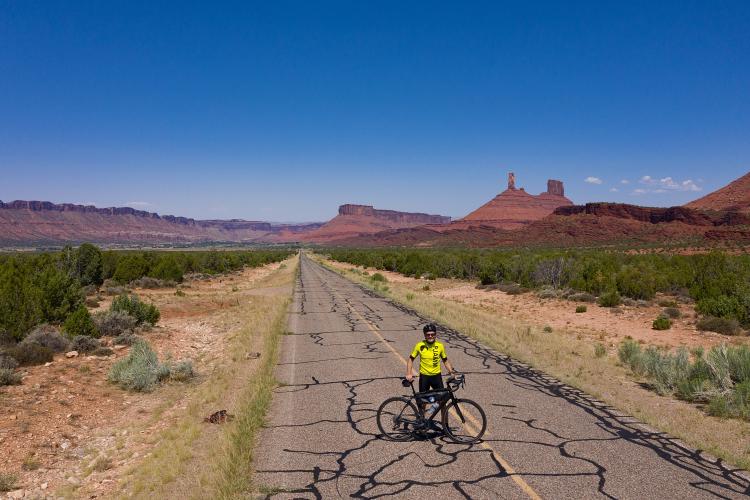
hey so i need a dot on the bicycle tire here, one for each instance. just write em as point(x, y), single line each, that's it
point(471, 428)
point(397, 418)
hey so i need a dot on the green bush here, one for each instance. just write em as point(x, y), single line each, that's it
point(131, 304)
point(667, 303)
point(610, 299)
point(581, 309)
point(629, 352)
point(140, 371)
point(7, 481)
point(426, 288)
point(718, 325)
point(9, 377)
point(661, 323)
point(547, 329)
point(599, 350)
point(127, 338)
point(80, 324)
point(30, 354)
point(379, 277)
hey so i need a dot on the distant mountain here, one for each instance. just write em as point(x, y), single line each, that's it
point(514, 208)
point(733, 196)
point(26, 223)
point(580, 225)
point(354, 220)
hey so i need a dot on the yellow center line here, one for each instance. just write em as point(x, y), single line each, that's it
point(510, 470)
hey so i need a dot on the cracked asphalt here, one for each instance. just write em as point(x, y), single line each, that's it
point(344, 356)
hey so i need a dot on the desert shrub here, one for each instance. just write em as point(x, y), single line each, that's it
point(102, 351)
point(599, 350)
point(47, 336)
point(84, 343)
point(179, 293)
point(91, 302)
point(80, 324)
point(718, 325)
point(132, 305)
point(547, 293)
point(167, 269)
point(627, 301)
point(140, 370)
point(629, 352)
point(582, 297)
point(510, 288)
point(426, 288)
point(671, 312)
point(667, 303)
point(127, 338)
point(379, 277)
point(111, 287)
point(181, 371)
point(610, 299)
point(9, 377)
point(114, 323)
point(84, 263)
point(581, 309)
point(642, 303)
point(410, 296)
point(661, 323)
point(7, 481)
point(129, 268)
point(547, 329)
point(153, 283)
point(31, 354)
point(8, 362)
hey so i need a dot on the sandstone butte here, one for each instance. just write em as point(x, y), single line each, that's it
point(353, 220)
point(734, 196)
point(514, 208)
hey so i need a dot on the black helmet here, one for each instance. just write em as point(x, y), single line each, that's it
point(429, 327)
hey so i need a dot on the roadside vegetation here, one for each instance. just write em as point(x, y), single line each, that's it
point(718, 283)
point(55, 290)
point(635, 383)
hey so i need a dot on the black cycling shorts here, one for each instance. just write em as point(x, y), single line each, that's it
point(427, 382)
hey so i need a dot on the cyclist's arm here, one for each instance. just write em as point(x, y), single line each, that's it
point(449, 366)
point(409, 369)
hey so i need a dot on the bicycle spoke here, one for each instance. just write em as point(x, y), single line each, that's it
point(465, 421)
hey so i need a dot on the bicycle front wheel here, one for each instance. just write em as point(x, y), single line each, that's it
point(464, 421)
point(397, 418)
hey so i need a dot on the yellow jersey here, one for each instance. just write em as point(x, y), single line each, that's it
point(429, 357)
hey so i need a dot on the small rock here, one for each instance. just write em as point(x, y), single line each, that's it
point(48, 363)
point(16, 494)
point(13, 417)
point(65, 445)
point(71, 354)
point(118, 347)
point(44, 486)
point(74, 480)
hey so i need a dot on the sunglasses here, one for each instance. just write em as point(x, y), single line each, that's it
point(430, 334)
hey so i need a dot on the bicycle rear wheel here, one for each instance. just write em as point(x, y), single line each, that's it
point(464, 421)
point(398, 418)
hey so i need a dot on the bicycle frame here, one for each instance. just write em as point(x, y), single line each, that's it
point(442, 396)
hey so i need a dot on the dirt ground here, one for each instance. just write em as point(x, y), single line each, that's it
point(609, 325)
point(65, 429)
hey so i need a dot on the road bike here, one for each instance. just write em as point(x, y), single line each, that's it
point(401, 418)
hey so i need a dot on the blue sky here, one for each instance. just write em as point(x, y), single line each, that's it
point(284, 110)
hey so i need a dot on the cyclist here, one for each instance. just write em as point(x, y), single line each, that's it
point(430, 353)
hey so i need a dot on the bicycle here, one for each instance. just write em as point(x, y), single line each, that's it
point(400, 418)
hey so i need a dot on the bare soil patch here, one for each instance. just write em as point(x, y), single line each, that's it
point(66, 431)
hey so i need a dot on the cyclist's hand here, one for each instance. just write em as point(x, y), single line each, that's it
point(409, 377)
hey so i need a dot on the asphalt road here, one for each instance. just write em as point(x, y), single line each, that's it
point(345, 355)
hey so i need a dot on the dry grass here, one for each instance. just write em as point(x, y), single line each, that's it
point(194, 459)
point(571, 360)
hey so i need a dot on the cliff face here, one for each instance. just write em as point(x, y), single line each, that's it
point(515, 208)
point(654, 215)
point(734, 196)
point(45, 223)
point(392, 215)
point(353, 220)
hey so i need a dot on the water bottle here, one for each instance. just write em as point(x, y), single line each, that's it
point(433, 406)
